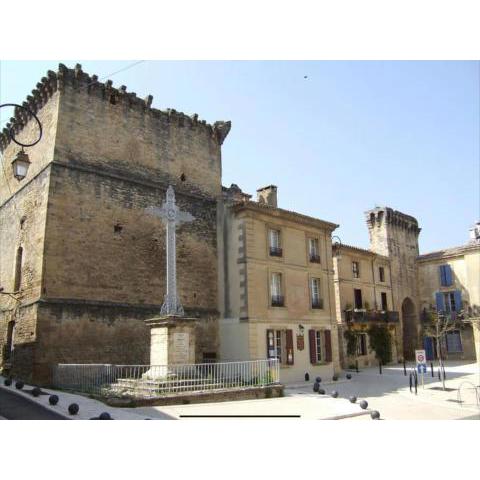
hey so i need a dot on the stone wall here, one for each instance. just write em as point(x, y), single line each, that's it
point(106, 155)
point(395, 235)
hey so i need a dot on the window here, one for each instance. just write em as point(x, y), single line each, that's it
point(313, 250)
point(361, 344)
point(357, 293)
point(320, 346)
point(454, 342)
point(381, 272)
point(449, 302)
point(280, 346)
point(356, 269)
point(276, 292)
point(317, 301)
point(274, 242)
point(8, 346)
point(445, 275)
point(384, 301)
point(18, 270)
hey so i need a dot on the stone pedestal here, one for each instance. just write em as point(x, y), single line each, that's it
point(172, 342)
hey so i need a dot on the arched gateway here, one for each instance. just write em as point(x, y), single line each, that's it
point(409, 324)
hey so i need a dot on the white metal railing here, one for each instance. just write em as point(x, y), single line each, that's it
point(158, 380)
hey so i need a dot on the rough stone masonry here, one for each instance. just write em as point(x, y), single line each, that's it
point(93, 262)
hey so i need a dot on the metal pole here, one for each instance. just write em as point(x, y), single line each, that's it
point(380, 366)
point(431, 367)
point(356, 366)
point(416, 382)
point(404, 367)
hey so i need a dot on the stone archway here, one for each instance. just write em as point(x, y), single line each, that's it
point(409, 324)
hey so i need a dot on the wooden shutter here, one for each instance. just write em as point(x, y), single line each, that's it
point(448, 275)
point(270, 344)
point(440, 301)
point(458, 300)
point(313, 349)
point(328, 346)
point(289, 347)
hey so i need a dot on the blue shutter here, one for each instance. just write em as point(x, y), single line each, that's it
point(440, 301)
point(441, 270)
point(458, 300)
point(448, 275)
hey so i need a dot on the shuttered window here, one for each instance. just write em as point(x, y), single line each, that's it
point(356, 270)
point(280, 346)
point(445, 272)
point(320, 342)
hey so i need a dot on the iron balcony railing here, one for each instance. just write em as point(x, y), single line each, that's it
point(372, 316)
point(314, 258)
point(276, 252)
point(160, 380)
point(317, 303)
point(277, 301)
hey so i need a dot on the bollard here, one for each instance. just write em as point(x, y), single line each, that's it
point(307, 376)
point(439, 374)
point(73, 408)
point(356, 366)
point(410, 380)
point(380, 366)
point(431, 368)
point(416, 382)
point(404, 368)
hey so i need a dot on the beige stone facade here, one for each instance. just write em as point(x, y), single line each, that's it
point(278, 297)
point(363, 294)
point(456, 291)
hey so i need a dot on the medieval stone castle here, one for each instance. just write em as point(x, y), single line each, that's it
point(84, 265)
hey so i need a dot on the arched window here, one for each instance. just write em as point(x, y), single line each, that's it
point(18, 270)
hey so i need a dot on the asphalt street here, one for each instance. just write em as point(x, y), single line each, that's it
point(15, 407)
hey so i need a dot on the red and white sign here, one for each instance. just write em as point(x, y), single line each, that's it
point(420, 356)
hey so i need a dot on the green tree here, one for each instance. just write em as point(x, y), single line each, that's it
point(381, 342)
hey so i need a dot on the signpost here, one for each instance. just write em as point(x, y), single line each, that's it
point(421, 360)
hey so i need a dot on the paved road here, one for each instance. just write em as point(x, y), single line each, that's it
point(15, 407)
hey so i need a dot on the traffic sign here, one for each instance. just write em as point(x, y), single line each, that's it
point(420, 357)
point(422, 368)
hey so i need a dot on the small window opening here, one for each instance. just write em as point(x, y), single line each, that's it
point(22, 221)
point(117, 228)
point(18, 270)
point(183, 177)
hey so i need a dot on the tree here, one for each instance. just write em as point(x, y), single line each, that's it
point(381, 342)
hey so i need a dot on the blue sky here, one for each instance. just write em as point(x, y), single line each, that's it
point(351, 136)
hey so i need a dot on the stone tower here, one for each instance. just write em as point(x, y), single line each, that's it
point(92, 263)
point(395, 235)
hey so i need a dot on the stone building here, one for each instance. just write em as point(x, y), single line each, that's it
point(449, 281)
point(363, 297)
point(76, 243)
point(277, 299)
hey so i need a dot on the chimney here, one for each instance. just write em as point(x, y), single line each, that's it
point(475, 233)
point(267, 196)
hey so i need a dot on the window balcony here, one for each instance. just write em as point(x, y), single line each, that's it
point(317, 303)
point(277, 301)
point(276, 252)
point(371, 316)
point(314, 258)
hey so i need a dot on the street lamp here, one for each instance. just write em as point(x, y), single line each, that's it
point(21, 162)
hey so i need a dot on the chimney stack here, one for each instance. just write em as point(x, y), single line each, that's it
point(475, 233)
point(267, 196)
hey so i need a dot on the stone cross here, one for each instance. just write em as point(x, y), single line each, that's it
point(172, 217)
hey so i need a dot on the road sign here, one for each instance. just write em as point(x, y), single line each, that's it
point(420, 357)
point(422, 368)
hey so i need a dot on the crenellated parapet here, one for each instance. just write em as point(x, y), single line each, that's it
point(77, 79)
point(386, 215)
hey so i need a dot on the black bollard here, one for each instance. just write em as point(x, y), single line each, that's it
point(416, 382)
point(410, 380)
point(439, 374)
point(404, 368)
point(307, 377)
point(431, 368)
point(380, 366)
point(356, 366)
